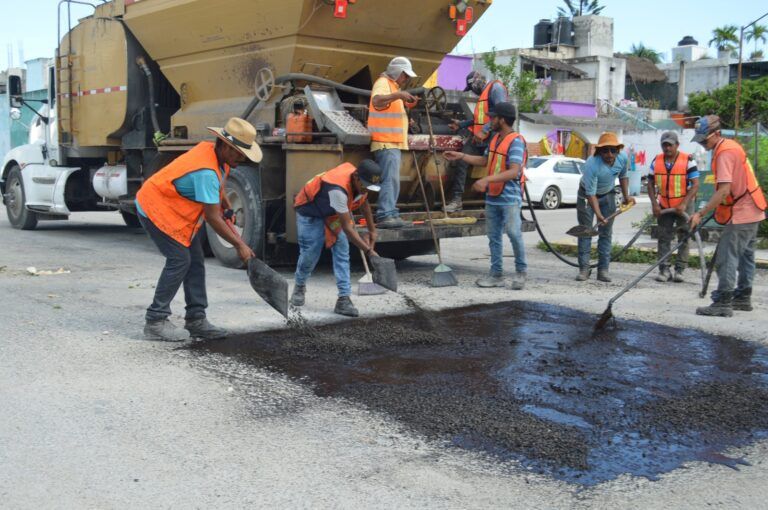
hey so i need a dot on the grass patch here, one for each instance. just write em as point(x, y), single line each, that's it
point(632, 255)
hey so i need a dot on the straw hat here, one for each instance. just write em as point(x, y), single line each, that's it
point(241, 135)
point(609, 139)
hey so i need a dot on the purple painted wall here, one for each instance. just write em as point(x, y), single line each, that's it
point(453, 71)
point(570, 109)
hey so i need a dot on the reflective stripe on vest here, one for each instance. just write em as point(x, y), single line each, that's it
point(497, 158)
point(672, 185)
point(386, 125)
point(724, 211)
point(340, 176)
point(175, 215)
point(482, 108)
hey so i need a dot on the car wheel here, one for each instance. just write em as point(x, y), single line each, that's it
point(16, 202)
point(551, 198)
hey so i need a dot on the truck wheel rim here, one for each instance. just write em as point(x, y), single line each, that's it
point(15, 198)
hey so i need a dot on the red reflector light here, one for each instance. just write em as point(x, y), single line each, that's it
point(340, 9)
point(461, 27)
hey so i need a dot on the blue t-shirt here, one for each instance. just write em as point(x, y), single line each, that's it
point(201, 186)
point(599, 178)
point(511, 194)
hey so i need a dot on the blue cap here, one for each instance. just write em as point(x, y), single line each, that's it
point(705, 126)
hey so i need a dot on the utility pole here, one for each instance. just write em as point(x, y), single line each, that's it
point(738, 78)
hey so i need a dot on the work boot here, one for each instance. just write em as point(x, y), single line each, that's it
point(391, 222)
point(722, 306)
point(583, 275)
point(603, 276)
point(678, 278)
point(164, 331)
point(454, 205)
point(742, 300)
point(201, 328)
point(489, 281)
point(518, 281)
point(298, 296)
point(344, 306)
point(664, 275)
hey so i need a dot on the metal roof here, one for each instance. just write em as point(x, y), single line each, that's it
point(557, 65)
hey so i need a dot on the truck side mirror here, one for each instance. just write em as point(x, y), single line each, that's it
point(15, 92)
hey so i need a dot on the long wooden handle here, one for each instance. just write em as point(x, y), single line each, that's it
point(434, 156)
point(426, 206)
point(365, 262)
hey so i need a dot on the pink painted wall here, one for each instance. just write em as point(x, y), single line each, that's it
point(570, 109)
point(453, 71)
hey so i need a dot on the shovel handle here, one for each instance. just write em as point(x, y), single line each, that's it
point(365, 262)
point(622, 208)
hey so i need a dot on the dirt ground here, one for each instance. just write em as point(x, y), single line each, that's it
point(94, 416)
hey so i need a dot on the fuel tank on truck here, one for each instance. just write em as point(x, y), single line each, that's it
point(212, 51)
point(92, 80)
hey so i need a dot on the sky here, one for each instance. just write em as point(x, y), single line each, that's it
point(30, 25)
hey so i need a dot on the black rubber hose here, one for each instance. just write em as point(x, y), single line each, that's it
point(560, 255)
point(151, 86)
point(320, 81)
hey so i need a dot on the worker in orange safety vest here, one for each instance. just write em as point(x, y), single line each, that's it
point(324, 218)
point(172, 206)
point(739, 204)
point(672, 184)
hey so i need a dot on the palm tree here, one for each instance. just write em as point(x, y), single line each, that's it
point(580, 8)
point(757, 33)
point(642, 51)
point(724, 38)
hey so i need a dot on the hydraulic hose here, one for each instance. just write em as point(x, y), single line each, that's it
point(151, 86)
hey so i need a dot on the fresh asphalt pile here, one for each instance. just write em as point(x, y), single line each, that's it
point(533, 384)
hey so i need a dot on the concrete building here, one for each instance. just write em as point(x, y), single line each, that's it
point(582, 69)
point(688, 50)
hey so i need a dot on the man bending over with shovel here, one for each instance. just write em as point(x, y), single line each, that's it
point(596, 198)
point(172, 205)
point(505, 159)
point(324, 209)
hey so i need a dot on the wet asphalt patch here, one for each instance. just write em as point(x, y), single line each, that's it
point(531, 383)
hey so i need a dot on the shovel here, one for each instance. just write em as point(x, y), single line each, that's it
point(585, 231)
point(384, 273)
point(365, 285)
point(265, 281)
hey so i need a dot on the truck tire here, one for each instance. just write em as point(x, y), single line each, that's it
point(16, 202)
point(131, 220)
point(244, 192)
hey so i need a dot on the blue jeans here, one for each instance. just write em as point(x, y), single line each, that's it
point(389, 161)
point(585, 215)
point(498, 220)
point(183, 266)
point(311, 232)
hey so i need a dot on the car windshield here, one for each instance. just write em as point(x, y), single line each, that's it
point(535, 162)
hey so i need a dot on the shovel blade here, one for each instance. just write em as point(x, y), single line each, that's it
point(582, 231)
point(268, 284)
point(384, 272)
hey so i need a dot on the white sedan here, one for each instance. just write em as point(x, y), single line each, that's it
point(554, 180)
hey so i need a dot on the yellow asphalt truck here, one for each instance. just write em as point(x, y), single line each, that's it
point(136, 83)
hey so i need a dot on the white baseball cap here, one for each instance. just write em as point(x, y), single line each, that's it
point(400, 65)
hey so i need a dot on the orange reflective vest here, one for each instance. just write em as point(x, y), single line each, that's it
point(340, 176)
point(481, 110)
point(724, 211)
point(387, 125)
point(178, 217)
point(671, 185)
point(497, 158)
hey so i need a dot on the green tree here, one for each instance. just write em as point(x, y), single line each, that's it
point(523, 86)
point(580, 8)
point(722, 102)
point(642, 51)
point(724, 38)
point(757, 33)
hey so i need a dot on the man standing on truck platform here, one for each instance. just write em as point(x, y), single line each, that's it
point(172, 205)
point(388, 125)
point(489, 95)
point(739, 204)
point(505, 159)
point(324, 217)
point(596, 197)
point(674, 178)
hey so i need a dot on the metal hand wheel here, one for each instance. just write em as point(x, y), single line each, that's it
point(264, 83)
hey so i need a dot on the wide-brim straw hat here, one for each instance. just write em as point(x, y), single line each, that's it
point(609, 139)
point(241, 135)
